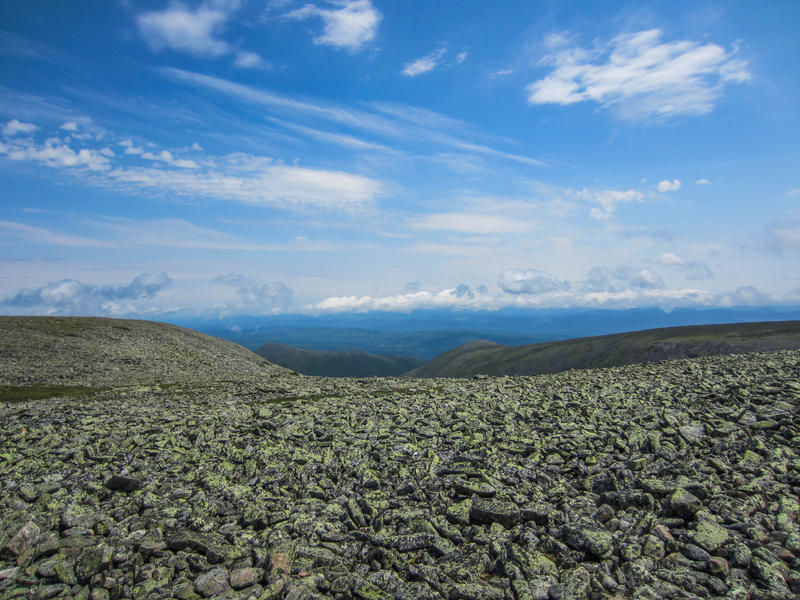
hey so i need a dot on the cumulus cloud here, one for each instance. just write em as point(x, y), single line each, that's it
point(639, 75)
point(249, 60)
point(166, 157)
point(460, 297)
point(251, 294)
point(425, 64)
point(70, 296)
point(55, 153)
point(622, 278)
point(13, 127)
point(743, 296)
point(669, 186)
point(530, 281)
point(350, 25)
point(178, 27)
point(608, 200)
point(691, 269)
point(703, 181)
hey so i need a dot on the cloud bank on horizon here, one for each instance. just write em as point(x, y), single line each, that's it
point(234, 156)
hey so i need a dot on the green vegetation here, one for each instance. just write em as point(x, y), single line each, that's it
point(651, 345)
point(21, 393)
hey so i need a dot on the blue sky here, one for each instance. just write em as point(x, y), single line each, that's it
point(242, 156)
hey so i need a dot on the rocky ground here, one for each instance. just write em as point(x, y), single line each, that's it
point(674, 480)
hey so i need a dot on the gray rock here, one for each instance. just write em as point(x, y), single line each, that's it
point(212, 583)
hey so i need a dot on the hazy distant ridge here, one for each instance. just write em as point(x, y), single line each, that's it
point(352, 363)
point(483, 357)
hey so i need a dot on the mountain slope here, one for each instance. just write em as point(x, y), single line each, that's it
point(612, 350)
point(352, 363)
point(99, 351)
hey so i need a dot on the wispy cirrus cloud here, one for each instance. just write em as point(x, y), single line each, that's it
point(393, 121)
point(40, 235)
point(639, 75)
point(350, 25)
point(479, 223)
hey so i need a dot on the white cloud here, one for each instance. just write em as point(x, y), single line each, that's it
point(501, 73)
point(69, 126)
point(692, 269)
point(55, 153)
point(250, 60)
point(464, 298)
point(38, 235)
point(621, 279)
point(13, 127)
point(471, 223)
point(784, 236)
point(255, 180)
point(424, 64)
point(130, 148)
point(608, 200)
point(254, 295)
point(70, 296)
point(350, 26)
point(530, 281)
point(793, 192)
point(669, 186)
point(180, 28)
point(640, 76)
point(703, 181)
point(387, 120)
point(454, 298)
point(166, 157)
point(461, 57)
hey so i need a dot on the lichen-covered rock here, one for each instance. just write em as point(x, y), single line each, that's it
point(296, 487)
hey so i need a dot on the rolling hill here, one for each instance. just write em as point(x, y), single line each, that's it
point(98, 351)
point(352, 363)
point(651, 345)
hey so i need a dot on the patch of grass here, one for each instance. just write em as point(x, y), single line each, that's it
point(22, 393)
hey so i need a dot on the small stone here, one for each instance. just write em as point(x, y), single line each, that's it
point(242, 578)
point(710, 535)
point(495, 511)
point(719, 567)
point(124, 483)
point(589, 536)
point(212, 583)
point(663, 533)
point(183, 591)
point(684, 504)
point(24, 539)
point(693, 434)
point(576, 585)
point(99, 594)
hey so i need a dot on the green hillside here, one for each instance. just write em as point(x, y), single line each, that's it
point(352, 363)
point(652, 345)
point(90, 351)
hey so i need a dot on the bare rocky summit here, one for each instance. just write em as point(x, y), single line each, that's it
point(671, 480)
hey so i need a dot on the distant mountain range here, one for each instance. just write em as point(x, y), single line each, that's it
point(353, 363)
point(488, 358)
